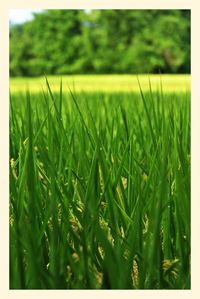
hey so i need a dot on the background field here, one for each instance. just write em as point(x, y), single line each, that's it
point(104, 83)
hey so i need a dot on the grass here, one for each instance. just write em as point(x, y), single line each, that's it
point(100, 190)
point(103, 83)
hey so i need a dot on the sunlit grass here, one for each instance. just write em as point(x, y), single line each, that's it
point(107, 83)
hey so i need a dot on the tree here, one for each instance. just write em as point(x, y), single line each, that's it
point(101, 41)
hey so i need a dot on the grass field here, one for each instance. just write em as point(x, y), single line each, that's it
point(103, 83)
point(100, 189)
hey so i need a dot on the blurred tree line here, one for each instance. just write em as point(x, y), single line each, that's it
point(101, 41)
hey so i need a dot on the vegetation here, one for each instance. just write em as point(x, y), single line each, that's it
point(101, 41)
point(100, 190)
point(103, 83)
point(100, 166)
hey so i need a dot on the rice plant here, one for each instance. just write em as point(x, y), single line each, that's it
point(99, 190)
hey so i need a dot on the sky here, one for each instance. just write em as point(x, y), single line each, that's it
point(18, 16)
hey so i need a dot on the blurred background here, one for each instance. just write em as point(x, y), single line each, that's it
point(100, 42)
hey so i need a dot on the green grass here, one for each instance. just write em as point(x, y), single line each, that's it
point(100, 190)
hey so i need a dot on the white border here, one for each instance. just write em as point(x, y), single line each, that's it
point(4, 145)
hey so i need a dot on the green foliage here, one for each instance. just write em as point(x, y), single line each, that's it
point(100, 191)
point(102, 41)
